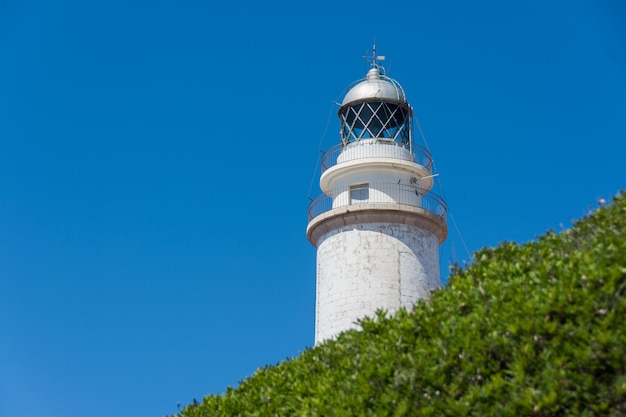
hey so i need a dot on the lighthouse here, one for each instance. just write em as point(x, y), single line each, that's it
point(377, 226)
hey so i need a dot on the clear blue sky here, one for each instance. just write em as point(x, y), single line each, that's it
point(155, 162)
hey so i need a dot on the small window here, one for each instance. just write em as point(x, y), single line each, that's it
point(359, 193)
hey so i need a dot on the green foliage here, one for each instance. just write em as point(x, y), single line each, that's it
point(534, 329)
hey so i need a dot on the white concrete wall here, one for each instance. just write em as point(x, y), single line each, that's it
point(381, 192)
point(362, 268)
point(373, 148)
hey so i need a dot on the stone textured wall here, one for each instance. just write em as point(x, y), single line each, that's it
point(362, 268)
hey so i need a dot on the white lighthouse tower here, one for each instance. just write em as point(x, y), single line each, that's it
point(377, 227)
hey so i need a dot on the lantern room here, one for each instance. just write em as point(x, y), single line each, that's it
point(376, 108)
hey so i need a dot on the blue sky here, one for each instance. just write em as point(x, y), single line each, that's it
point(155, 162)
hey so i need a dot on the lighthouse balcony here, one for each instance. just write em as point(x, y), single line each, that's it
point(383, 195)
point(376, 148)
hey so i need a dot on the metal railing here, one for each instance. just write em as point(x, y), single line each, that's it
point(390, 193)
point(378, 149)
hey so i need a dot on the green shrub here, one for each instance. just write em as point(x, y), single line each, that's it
point(534, 329)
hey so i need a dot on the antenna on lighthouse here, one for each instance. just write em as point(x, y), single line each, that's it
point(374, 58)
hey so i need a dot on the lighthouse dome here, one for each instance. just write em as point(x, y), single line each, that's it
point(375, 86)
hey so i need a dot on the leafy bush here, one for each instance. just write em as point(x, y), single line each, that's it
point(534, 329)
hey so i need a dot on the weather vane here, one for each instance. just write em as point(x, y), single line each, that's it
point(373, 59)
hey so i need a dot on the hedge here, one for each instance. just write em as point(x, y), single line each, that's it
point(534, 329)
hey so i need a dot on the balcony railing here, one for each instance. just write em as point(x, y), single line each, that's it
point(374, 148)
point(390, 193)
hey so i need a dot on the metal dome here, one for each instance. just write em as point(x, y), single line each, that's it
point(375, 86)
